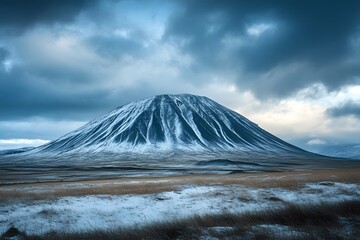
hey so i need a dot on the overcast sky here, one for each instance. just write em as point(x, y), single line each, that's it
point(293, 67)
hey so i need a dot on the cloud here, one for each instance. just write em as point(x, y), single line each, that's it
point(76, 76)
point(81, 66)
point(23, 141)
point(115, 46)
point(349, 108)
point(310, 35)
point(20, 143)
point(25, 93)
point(258, 29)
point(5, 64)
point(37, 128)
point(304, 116)
point(316, 141)
point(3, 54)
point(17, 16)
point(280, 64)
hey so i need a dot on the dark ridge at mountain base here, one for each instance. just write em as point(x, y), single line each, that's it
point(94, 166)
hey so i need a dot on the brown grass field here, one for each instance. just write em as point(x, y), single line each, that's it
point(120, 186)
point(339, 220)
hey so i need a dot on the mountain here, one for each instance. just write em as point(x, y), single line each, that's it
point(344, 151)
point(160, 136)
point(170, 123)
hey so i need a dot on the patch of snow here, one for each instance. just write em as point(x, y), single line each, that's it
point(221, 230)
point(280, 231)
point(110, 211)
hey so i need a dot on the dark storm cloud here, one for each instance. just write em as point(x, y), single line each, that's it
point(25, 92)
point(19, 15)
point(43, 82)
point(115, 47)
point(309, 43)
point(350, 108)
point(3, 54)
point(314, 33)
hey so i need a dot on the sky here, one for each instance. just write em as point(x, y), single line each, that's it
point(293, 67)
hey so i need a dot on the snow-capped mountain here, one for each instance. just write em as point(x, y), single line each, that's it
point(167, 123)
point(343, 151)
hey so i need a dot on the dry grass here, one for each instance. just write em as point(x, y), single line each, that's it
point(19, 194)
point(321, 221)
point(121, 186)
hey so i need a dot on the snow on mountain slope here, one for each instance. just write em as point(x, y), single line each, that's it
point(166, 123)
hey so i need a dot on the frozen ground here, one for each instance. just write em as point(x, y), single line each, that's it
point(70, 214)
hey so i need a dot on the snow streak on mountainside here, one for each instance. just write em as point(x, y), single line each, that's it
point(169, 123)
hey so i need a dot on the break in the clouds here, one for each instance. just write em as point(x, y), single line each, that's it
point(291, 66)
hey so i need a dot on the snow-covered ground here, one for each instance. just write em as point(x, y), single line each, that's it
point(91, 212)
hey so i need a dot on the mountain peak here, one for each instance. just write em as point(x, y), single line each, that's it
point(168, 123)
point(180, 97)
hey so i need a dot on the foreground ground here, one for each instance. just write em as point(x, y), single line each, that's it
point(311, 204)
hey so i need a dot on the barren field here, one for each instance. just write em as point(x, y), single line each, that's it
point(152, 185)
point(185, 207)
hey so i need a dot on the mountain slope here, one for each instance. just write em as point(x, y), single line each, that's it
point(343, 151)
point(167, 123)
